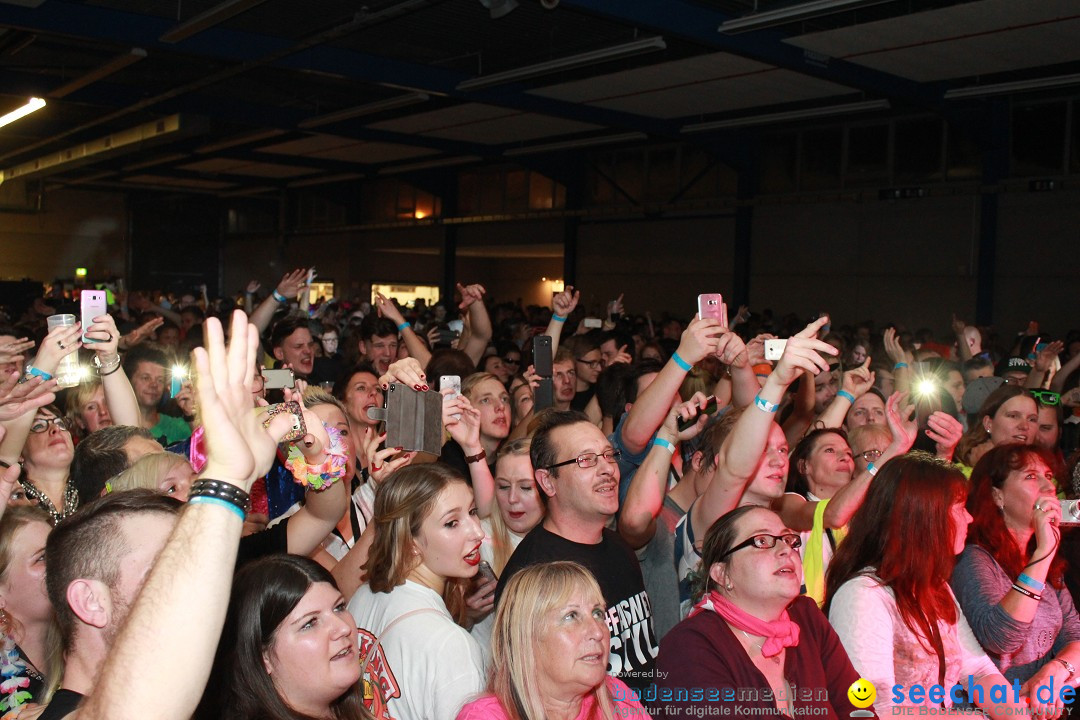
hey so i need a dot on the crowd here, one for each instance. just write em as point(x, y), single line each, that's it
point(678, 517)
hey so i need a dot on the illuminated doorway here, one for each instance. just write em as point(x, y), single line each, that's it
point(407, 295)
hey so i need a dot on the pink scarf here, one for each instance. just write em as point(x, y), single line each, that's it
point(778, 634)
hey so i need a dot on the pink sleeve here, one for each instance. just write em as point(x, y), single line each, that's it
point(486, 708)
point(625, 701)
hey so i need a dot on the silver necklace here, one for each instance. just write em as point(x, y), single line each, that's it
point(759, 646)
point(71, 499)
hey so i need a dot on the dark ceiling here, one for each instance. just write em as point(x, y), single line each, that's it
point(238, 97)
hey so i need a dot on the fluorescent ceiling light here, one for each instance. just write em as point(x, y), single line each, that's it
point(369, 109)
point(1011, 87)
point(112, 66)
point(31, 106)
point(580, 143)
point(769, 118)
point(637, 47)
point(205, 20)
point(793, 13)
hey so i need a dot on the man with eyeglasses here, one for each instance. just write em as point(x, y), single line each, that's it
point(576, 471)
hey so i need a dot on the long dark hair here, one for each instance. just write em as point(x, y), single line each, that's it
point(264, 593)
point(904, 531)
point(987, 529)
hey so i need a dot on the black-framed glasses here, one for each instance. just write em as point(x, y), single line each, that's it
point(1046, 397)
point(870, 455)
point(765, 542)
point(588, 460)
point(41, 425)
point(591, 363)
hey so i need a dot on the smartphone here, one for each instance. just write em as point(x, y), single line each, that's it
point(591, 322)
point(94, 305)
point(544, 395)
point(774, 349)
point(486, 573)
point(453, 382)
point(710, 409)
point(1070, 513)
point(176, 382)
point(456, 326)
point(542, 355)
point(299, 427)
point(711, 305)
point(277, 379)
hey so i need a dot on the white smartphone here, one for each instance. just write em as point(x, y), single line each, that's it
point(593, 323)
point(93, 305)
point(774, 349)
point(453, 382)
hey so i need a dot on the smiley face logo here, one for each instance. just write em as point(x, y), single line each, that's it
point(862, 693)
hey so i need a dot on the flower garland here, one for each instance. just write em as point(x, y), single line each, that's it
point(14, 676)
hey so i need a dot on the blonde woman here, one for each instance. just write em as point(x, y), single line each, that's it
point(426, 548)
point(550, 650)
point(165, 472)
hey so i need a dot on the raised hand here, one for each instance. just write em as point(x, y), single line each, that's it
point(900, 417)
point(1044, 359)
point(945, 431)
point(802, 353)
point(252, 287)
point(291, 283)
point(563, 303)
point(238, 448)
point(700, 339)
point(143, 332)
point(388, 309)
point(470, 294)
point(859, 380)
point(893, 348)
point(406, 371)
point(12, 352)
point(17, 398)
point(615, 307)
point(107, 337)
point(58, 344)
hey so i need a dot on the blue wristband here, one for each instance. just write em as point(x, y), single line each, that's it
point(1031, 582)
point(680, 362)
point(762, 404)
point(280, 298)
point(846, 394)
point(31, 370)
point(872, 469)
point(661, 442)
point(218, 501)
point(558, 318)
point(897, 366)
point(402, 326)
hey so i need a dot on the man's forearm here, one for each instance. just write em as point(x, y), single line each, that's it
point(651, 407)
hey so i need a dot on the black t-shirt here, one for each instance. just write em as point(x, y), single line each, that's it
point(273, 541)
point(64, 702)
point(581, 399)
point(615, 566)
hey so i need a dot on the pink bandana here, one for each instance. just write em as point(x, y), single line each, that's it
point(778, 634)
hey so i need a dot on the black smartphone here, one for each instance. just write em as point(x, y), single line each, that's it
point(709, 409)
point(542, 355)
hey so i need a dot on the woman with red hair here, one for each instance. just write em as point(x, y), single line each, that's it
point(1009, 578)
point(887, 590)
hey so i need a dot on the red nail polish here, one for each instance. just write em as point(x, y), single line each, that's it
point(399, 447)
point(425, 387)
point(418, 387)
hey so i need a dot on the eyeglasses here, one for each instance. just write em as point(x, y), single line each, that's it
point(764, 542)
point(512, 361)
point(1046, 397)
point(870, 455)
point(41, 425)
point(588, 460)
point(591, 363)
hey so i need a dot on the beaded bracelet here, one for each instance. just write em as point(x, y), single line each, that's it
point(217, 492)
point(329, 471)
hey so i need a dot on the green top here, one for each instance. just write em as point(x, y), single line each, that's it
point(172, 429)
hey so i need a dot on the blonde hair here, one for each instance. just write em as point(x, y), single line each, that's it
point(52, 665)
point(520, 625)
point(315, 396)
point(77, 399)
point(146, 472)
point(469, 384)
point(403, 502)
point(500, 534)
